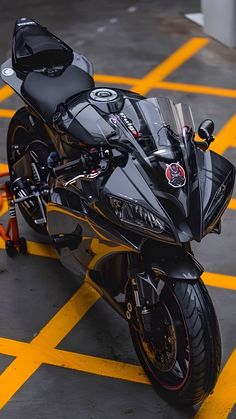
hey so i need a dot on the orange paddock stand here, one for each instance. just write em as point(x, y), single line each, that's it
point(10, 234)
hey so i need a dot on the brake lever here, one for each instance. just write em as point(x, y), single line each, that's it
point(83, 176)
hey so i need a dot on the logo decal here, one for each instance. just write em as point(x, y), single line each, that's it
point(8, 71)
point(175, 175)
point(26, 23)
point(129, 125)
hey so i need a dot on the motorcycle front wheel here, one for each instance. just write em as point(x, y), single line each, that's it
point(182, 354)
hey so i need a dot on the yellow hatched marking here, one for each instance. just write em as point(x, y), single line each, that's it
point(226, 137)
point(21, 369)
point(105, 78)
point(213, 279)
point(29, 356)
point(174, 61)
point(67, 317)
point(3, 167)
point(7, 113)
point(232, 204)
point(5, 92)
point(168, 85)
point(198, 89)
point(75, 361)
point(220, 403)
point(164, 85)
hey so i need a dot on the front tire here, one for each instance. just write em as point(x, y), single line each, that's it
point(183, 364)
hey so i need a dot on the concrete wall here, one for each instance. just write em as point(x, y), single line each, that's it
point(220, 20)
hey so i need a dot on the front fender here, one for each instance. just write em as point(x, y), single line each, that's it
point(171, 260)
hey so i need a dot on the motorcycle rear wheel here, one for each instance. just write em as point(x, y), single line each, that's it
point(21, 133)
point(183, 364)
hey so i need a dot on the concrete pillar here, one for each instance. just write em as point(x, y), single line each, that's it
point(220, 20)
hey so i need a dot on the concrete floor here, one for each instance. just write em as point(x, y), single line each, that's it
point(129, 39)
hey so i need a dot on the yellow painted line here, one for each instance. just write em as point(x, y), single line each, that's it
point(226, 137)
point(18, 372)
point(67, 317)
point(3, 167)
point(174, 61)
point(99, 366)
point(41, 350)
point(219, 280)
point(105, 78)
point(165, 85)
point(7, 113)
point(79, 362)
point(220, 403)
point(232, 204)
point(4, 209)
point(5, 92)
point(198, 89)
point(21, 369)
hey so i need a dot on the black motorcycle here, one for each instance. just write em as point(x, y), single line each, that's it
point(121, 187)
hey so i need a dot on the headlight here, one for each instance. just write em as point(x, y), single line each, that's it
point(136, 216)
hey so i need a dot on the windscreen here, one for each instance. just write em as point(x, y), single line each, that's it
point(161, 133)
point(150, 125)
point(154, 125)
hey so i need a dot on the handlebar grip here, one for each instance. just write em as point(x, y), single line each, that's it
point(68, 167)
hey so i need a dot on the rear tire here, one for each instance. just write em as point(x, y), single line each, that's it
point(197, 341)
point(21, 133)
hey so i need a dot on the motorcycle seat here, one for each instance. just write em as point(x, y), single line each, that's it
point(45, 93)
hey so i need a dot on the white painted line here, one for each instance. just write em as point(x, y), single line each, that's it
point(101, 29)
point(132, 9)
point(196, 18)
point(80, 42)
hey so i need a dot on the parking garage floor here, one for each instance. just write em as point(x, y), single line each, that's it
point(63, 352)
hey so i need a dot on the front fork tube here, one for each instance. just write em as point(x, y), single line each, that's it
point(145, 298)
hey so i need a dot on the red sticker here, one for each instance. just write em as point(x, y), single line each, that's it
point(175, 175)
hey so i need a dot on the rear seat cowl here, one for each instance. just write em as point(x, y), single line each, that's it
point(35, 47)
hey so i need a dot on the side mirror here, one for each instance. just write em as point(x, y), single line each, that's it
point(206, 129)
